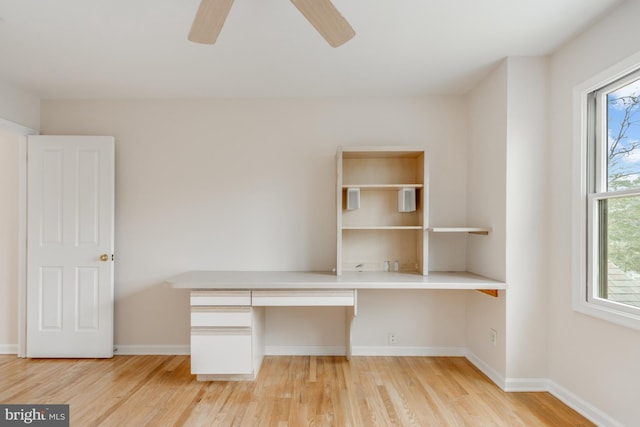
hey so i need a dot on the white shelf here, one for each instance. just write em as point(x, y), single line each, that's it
point(385, 227)
point(471, 230)
point(373, 152)
point(365, 187)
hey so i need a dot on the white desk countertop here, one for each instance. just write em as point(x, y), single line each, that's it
point(328, 280)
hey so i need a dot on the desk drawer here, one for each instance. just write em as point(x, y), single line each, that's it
point(221, 351)
point(220, 316)
point(202, 297)
point(316, 297)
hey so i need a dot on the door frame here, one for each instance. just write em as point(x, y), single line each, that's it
point(23, 132)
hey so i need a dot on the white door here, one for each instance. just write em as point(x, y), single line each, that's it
point(70, 239)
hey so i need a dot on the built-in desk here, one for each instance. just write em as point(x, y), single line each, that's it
point(227, 308)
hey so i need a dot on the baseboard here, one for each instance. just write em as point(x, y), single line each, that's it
point(570, 399)
point(493, 375)
point(8, 348)
point(160, 350)
point(508, 384)
point(526, 384)
point(163, 350)
point(408, 351)
point(583, 407)
point(274, 350)
point(304, 350)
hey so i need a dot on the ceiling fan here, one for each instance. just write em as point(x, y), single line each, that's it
point(322, 14)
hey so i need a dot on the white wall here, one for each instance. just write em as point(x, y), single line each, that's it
point(19, 107)
point(526, 220)
point(9, 176)
point(593, 359)
point(249, 185)
point(19, 115)
point(487, 163)
point(507, 190)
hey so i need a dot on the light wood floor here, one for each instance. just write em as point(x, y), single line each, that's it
point(289, 391)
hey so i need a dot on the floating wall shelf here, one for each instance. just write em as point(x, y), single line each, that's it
point(471, 230)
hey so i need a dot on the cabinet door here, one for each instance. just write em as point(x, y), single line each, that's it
point(221, 351)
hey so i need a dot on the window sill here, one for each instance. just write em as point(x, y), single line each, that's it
point(601, 312)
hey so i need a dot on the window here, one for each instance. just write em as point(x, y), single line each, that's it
point(612, 185)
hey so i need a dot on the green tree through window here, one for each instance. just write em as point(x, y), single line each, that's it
point(620, 215)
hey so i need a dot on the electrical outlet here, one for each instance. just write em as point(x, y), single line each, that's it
point(494, 336)
point(392, 338)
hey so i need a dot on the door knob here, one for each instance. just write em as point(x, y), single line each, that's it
point(104, 257)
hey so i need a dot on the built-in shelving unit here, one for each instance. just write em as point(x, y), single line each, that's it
point(382, 213)
point(383, 228)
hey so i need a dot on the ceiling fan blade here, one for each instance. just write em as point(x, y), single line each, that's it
point(209, 20)
point(326, 19)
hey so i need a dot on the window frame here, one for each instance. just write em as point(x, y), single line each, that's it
point(590, 176)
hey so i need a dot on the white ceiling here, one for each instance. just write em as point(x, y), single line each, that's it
point(139, 48)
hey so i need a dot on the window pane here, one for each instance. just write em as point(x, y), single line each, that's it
point(623, 131)
point(620, 250)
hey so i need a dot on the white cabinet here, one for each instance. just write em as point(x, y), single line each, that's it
point(226, 335)
point(221, 351)
point(227, 326)
point(385, 230)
